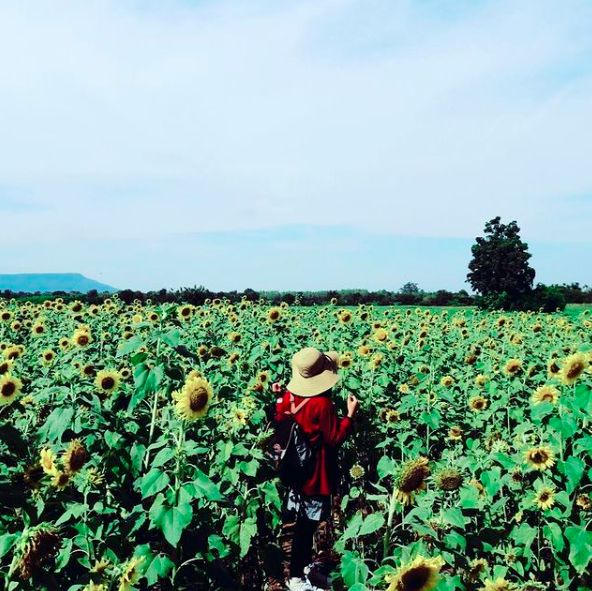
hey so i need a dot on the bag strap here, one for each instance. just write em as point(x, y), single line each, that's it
point(295, 409)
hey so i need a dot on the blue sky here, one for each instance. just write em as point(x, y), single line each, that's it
point(293, 145)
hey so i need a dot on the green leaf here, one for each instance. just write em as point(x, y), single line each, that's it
point(159, 568)
point(353, 527)
point(573, 468)
point(372, 523)
point(162, 457)
point(129, 346)
point(153, 482)
point(553, 531)
point(580, 547)
point(7, 542)
point(172, 520)
point(172, 338)
point(524, 535)
point(231, 528)
point(215, 542)
point(248, 530)
point(469, 497)
point(56, 423)
point(204, 487)
point(456, 540)
point(455, 517)
point(385, 467)
point(353, 569)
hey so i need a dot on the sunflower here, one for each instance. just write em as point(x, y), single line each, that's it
point(345, 361)
point(74, 457)
point(380, 335)
point(392, 416)
point(6, 366)
point(107, 380)
point(421, 574)
point(546, 393)
point(447, 381)
point(38, 328)
point(185, 312)
point(263, 377)
point(193, 400)
point(345, 316)
point(455, 433)
point(60, 479)
point(539, 458)
point(404, 389)
point(10, 388)
point(364, 350)
point(499, 584)
point(95, 587)
point(584, 502)
point(411, 478)
point(476, 567)
point(239, 416)
point(513, 367)
point(131, 573)
point(274, 314)
point(478, 403)
point(81, 337)
point(48, 356)
point(572, 368)
point(545, 497)
point(376, 361)
point(448, 479)
point(13, 352)
point(357, 471)
point(37, 546)
point(47, 460)
point(481, 380)
point(552, 368)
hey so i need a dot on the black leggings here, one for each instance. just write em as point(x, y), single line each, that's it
point(304, 531)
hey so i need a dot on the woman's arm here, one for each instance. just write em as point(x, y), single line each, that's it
point(334, 430)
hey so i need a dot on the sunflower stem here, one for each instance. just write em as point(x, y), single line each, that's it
point(389, 523)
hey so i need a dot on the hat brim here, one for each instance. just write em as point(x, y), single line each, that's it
point(306, 387)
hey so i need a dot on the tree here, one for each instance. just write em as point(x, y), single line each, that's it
point(499, 270)
point(410, 289)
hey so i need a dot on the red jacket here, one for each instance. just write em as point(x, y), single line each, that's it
point(320, 422)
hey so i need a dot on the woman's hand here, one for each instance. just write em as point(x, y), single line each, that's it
point(352, 406)
point(276, 387)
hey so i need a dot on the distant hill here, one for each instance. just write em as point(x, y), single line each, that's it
point(45, 282)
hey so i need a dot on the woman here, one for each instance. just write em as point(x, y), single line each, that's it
point(307, 398)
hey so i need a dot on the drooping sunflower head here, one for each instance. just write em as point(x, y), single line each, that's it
point(47, 461)
point(74, 457)
point(513, 367)
point(6, 366)
point(364, 350)
point(539, 458)
point(410, 479)
point(193, 400)
point(107, 380)
point(421, 574)
point(131, 573)
point(376, 361)
point(476, 567)
point(391, 416)
point(37, 546)
point(10, 388)
point(546, 393)
point(448, 479)
point(573, 367)
point(345, 361)
point(60, 479)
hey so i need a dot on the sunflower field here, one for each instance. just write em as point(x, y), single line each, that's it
point(133, 438)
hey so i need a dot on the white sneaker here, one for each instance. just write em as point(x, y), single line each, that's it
point(297, 584)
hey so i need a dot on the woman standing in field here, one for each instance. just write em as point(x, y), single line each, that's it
point(307, 398)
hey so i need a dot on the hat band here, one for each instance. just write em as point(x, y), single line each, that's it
point(317, 368)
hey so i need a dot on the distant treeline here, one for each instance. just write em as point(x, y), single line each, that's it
point(409, 295)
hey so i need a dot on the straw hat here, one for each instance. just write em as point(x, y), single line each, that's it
point(313, 372)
